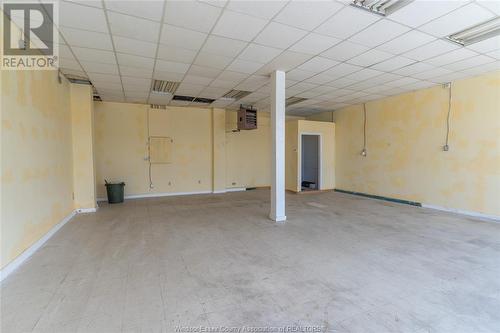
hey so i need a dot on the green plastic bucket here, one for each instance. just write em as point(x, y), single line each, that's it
point(115, 192)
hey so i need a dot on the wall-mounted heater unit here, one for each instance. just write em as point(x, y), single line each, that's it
point(247, 118)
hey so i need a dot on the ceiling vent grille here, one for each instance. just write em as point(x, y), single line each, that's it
point(158, 106)
point(78, 80)
point(193, 99)
point(97, 98)
point(294, 100)
point(236, 94)
point(161, 86)
point(380, 7)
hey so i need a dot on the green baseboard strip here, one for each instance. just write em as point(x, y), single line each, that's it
point(406, 202)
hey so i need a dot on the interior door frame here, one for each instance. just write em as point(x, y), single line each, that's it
point(320, 159)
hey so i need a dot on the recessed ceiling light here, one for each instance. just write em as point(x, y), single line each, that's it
point(477, 33)
point(381, 7)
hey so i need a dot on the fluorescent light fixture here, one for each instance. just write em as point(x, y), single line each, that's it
point(381, 7)
point(477, 33)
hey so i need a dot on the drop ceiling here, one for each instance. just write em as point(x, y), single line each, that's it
point(334, 54)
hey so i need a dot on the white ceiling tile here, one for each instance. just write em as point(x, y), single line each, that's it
point(392, 64)
point(82, 38)
point(494, 54)
point(448, 77)
point(487, 68)
point(487, 45)
point(223, 84)
point(342, 82)
point(65, 52)
point(76, 16)
point(347, 22)
point(132, 27)
point(469, 62)
point(431, 73)
point(285, 61)
point(135, 61)
point(133, 83)
point(406, 42)
point(450, 57)
point(314, 43)
point(259, 53)
point(97, 67)
point(363, 74)
point(298, 74)
point(342, 69)
point(492, 5)
point(253, 83)
point(244, 66)
point(212, 92)
point(69, 64)
point(104, 79)
point(84, 54)
point(381, 79)
point(379, 32)
point(300, 87)
point(400, 82)
point(419, 12)
point(232, 76)
point(92, 3)
point(344, 51)
point(212, 60)
point(197, 80)
point(134, 46)
point(152, 10)
point(167, 76)
point(183, 38)
point(307, 15)
point(136, 72)
point(189, 89)
point(369, 58)
point(262, 9)
point(457, 20)
point(223, 46)
point(204, 71)
point(321, 78)
point(162, 99)
point(431, 50)
point(192, 15)
point(176, 54)
point(279, 35)
point(172, 67)
point(238, 26)
point(317, 64)
point(417, 67)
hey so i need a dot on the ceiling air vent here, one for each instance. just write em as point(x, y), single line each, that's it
point(193, 99)
point(236, 94)
point(158, 106)
point(381, 7)
point(161, 86)
point(78, 80)
point(97, 98)
point(294, 100)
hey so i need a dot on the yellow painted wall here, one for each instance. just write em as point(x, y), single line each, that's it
point(293, 152)
point(37, 170)
point(219, 150)
point(121, 134)
point(248, 153)
point(405, 135)
point(82, 117)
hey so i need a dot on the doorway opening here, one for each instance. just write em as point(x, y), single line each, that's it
point(310, 175)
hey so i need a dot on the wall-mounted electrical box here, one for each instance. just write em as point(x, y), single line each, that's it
point(160, 150)
point(247, 118)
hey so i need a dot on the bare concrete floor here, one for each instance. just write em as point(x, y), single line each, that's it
point(342, 263)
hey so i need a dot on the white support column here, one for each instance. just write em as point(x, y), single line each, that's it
point(278, 146)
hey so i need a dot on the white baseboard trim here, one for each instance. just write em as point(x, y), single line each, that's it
point(236, 189)
point(86, 210)
point(13, 265)
point(173, 194)
point(464, 212)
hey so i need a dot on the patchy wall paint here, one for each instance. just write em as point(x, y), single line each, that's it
point(248, 153)
point(37, 168)
point(293, 150)
point(82, 118)
point(405, 135)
